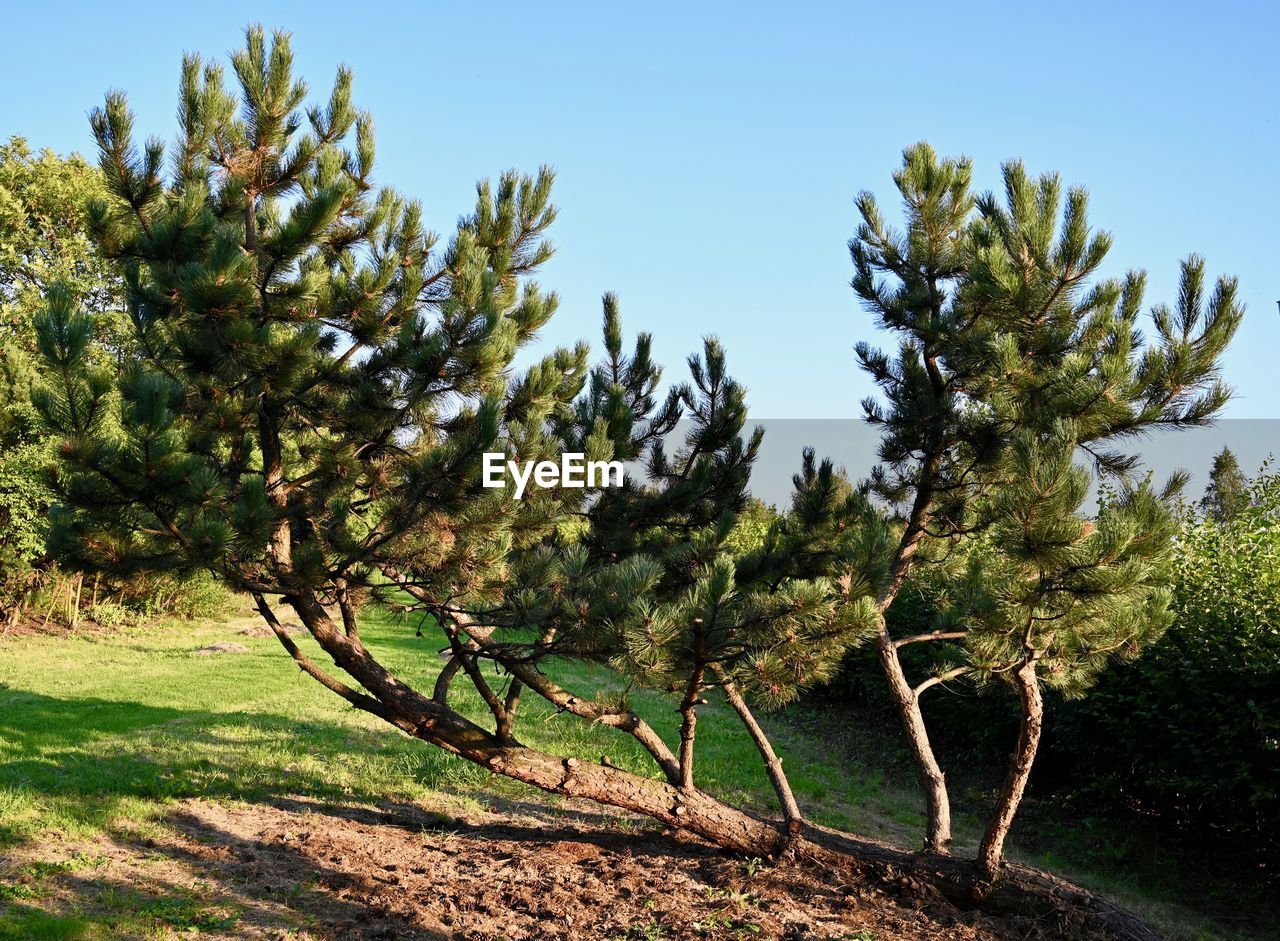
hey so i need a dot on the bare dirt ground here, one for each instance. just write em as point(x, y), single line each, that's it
point(305, 870)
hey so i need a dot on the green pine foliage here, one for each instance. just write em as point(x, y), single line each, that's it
point(1005, 326)
point(1014, 358)
point(1011, 345)
point(317, 377)
point(664, 583)
point(272, 284)
point(1050, 584)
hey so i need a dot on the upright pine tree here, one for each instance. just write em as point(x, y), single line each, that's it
point(1050, 597)
point(1008, 344)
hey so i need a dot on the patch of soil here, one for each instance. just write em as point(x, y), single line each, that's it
point(36, 626)
point(259, 629)
point(522, 872)
point(224, 646)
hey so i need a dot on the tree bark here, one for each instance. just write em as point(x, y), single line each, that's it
point(932, 780)
point(529, 675)
point(991, 850)
point(689, 726)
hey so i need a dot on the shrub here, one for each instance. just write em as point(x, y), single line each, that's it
point(112, 615)
point(24, 500)
point(190, 596)
point(1192, 729)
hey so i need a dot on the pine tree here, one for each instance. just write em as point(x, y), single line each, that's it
point(1228, 490)
point(1051, 597)
point(653, 584)
point(317, 378)
point(1005, 331)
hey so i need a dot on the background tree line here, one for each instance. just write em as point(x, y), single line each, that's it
point(44, 240)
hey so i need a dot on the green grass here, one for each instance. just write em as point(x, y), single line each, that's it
point(102, 733)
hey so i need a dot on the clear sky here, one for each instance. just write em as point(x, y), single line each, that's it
point(708, 153)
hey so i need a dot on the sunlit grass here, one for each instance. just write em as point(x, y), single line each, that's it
point(104, 732)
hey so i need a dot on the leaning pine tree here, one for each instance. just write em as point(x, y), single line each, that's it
point(316, 383)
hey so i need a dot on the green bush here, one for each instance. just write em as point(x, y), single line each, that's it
point(24, 502)
point(191, 596)
point(112, 615)
point(1192, 728)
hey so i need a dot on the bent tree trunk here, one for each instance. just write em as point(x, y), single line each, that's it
point(436, 723)
point(772, 763)
point(692, 810)
point(991, 851)
point(932, 781)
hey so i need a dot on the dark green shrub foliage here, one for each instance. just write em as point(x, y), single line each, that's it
point(24, 501)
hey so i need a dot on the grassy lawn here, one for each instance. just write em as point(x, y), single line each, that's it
point(105, 732)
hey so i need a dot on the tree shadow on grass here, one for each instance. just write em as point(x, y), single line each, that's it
point(197, 877)
point(88, 756)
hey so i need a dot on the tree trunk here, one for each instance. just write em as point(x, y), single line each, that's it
point(772, 763)
point(591, 710)
point(991, 851)
point(1021, 891)
point(689, 727)
point(410, 711)
point(932, 780)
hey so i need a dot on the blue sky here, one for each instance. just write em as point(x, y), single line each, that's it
point(708, 156)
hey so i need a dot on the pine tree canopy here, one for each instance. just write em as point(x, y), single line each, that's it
point(1006, 332)
point(1004, 325)
point(318, 377)
point(1049, 585)
point(315, 369)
